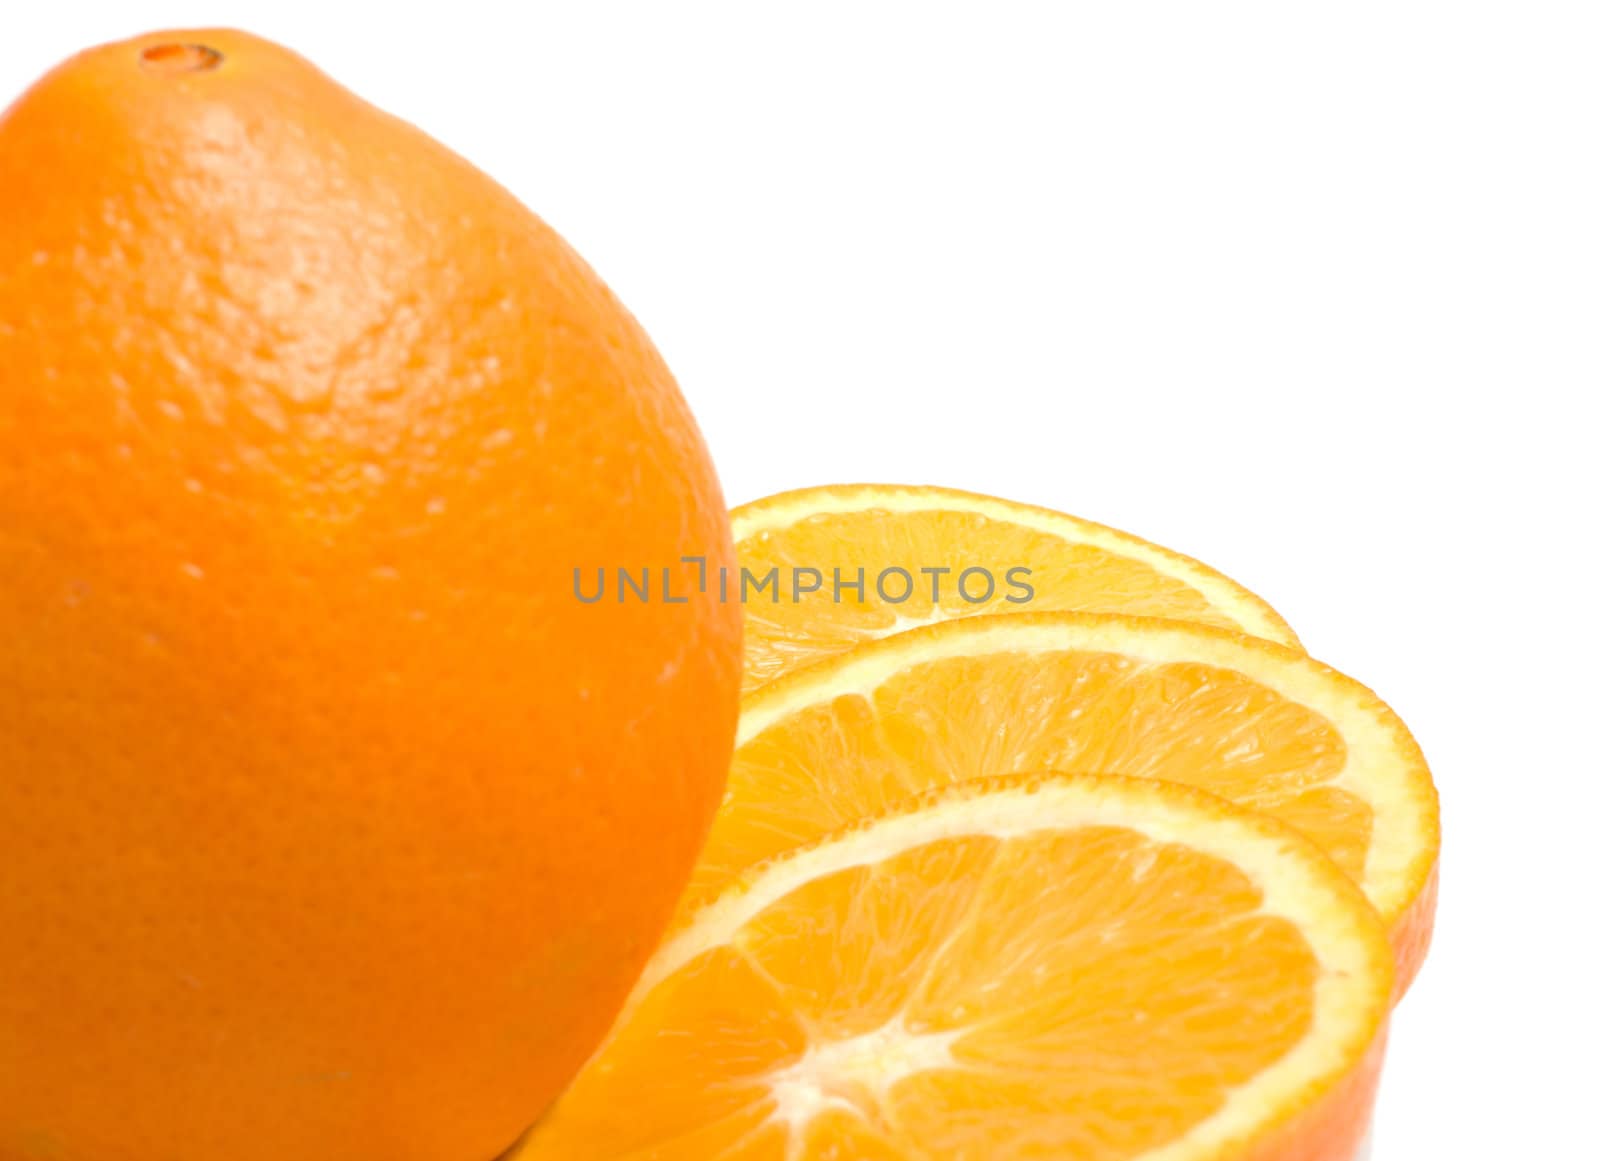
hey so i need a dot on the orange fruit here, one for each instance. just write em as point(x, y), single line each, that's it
point(1096, 968)
point(835, 550)
point(334, 826)
point(1257, 723)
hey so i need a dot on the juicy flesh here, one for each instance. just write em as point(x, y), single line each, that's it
point(783, 635)
point(1082, 992)
point(950, 720)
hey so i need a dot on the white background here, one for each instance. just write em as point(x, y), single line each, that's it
point(1310, 291)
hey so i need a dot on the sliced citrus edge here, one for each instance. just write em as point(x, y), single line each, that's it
point(1384, 767)
point(1252, 614)
point(1325, 1085)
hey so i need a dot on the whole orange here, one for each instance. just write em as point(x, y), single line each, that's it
point(333, 827)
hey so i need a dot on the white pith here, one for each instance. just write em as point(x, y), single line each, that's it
point(844, 1075)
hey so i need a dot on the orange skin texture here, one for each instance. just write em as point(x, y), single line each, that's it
point(334, 826)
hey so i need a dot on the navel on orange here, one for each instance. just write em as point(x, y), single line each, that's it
point(954, 552)
point(1257, 723)
point(333, 826)
point(1096, 968)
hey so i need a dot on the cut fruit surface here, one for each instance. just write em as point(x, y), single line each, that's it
point(1257, 723)
point(862, 530)
point(1105, 969)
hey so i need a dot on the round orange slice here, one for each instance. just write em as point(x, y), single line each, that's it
point(1257, 723)
point(1104, 969)
point(831, 567)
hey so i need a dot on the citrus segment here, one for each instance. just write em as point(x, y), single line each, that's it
point(1257, 723)
point(1086, 967)
point(853, 533)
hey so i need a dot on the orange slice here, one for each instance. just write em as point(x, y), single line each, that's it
point(860, 533)
point(1257, 723)
point(1096, 968)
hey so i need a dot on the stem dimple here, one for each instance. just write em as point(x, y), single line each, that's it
point(180, 58)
